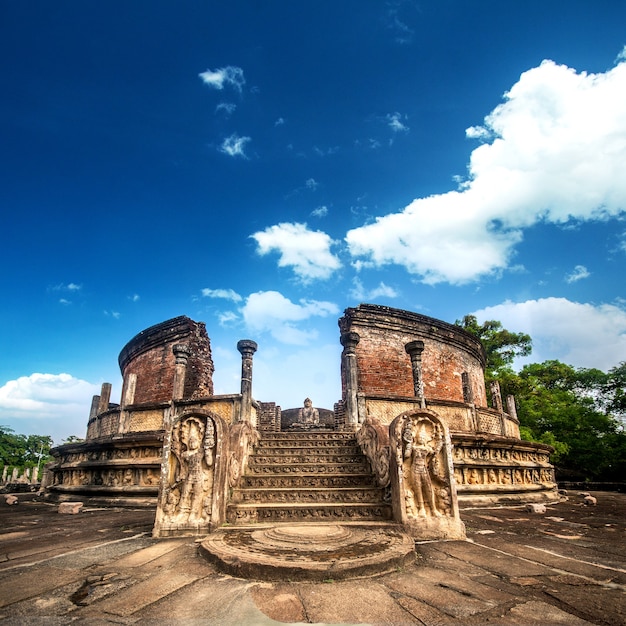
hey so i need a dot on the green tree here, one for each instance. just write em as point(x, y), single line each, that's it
point(23, 451)
point(565, 407)
point(501, 345)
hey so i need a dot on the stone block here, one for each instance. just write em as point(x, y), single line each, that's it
point(590, 500)
point(9, 499)
point(536, 508)
point(70, 508)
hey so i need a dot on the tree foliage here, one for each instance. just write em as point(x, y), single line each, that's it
point(580, 412)
point(23, 451)
point(501, 345)
point(572, 410)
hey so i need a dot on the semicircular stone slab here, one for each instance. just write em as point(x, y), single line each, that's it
point(309, 551)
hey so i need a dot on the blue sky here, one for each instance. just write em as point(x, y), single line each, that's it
point(261, 166)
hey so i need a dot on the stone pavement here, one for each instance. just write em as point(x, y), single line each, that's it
point(101, 566)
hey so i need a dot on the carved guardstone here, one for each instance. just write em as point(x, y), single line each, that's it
point(187, 492)
point(423, 490)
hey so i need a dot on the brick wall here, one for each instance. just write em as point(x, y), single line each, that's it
point(384, 367)
point(149, 355)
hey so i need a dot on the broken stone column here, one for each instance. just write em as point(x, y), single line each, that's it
point(496, 396)
point(510, 406)
point(182, 353)
point(414, 349)
point(105, 398)
point(247, 348)
point(349, 367)
point(130, 385)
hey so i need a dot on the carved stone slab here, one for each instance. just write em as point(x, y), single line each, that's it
point(187, 492)
point(422, 480)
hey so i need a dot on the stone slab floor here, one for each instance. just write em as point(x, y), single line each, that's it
point(101, 566)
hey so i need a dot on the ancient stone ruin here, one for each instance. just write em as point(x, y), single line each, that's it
point(411, 440)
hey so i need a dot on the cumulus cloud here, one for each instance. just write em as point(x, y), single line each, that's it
point(235, 145)
point(270, 311)
point(553, 151)
point(579, 334)
point(226, 294)
point(225, 76)
point(306, 251)
point(359, 293)
point(54, 404)
point(579, 272)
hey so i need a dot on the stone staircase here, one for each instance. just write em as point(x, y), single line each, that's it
point(302, 476)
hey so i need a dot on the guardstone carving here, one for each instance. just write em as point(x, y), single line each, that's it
point(187, 477)
point(423, 488)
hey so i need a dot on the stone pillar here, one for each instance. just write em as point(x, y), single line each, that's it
point(130, 384)
point(93, 411)
point(468, 393)
point(181, 352)
point(4, 474)
point(510, 406)
point(105, 397)
point(247, 348)
point(496, 396)
point(414, 349)
point(349, 342)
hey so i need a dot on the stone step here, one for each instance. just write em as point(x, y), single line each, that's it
point(306, 457)
point(255, 468)
point(308, 495)
point(326, 434)
point(306, 439)
point(307, 449)
point(312, 481)
point(241, 514)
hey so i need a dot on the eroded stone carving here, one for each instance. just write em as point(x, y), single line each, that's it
point(423, 488)
point(308, 415)
point(373, 439)
point(187, 477)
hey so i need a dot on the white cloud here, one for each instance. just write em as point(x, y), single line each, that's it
point(579, 334)
point(555, 152)
point(579, 272)
point(321, 211)
point(54, 404)
point(227, 294)
point(66, 287)
point(360, 294)
point(235, 145)
point(224, 76)
point(311, 183)
point(394, 120)
point(227, 318)
point(134, 298)
point(306, 251)
point(113, 314)
point(280, 121)
point(270, 311)
point(228, 108)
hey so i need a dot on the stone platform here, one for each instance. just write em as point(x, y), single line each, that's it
point(315, 552)
point(566, 567)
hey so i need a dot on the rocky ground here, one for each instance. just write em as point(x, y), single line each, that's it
point(101, 566)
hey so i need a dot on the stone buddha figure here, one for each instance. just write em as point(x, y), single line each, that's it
point(308, 415)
